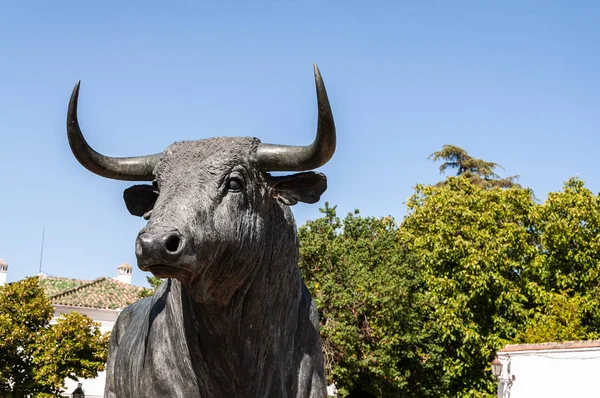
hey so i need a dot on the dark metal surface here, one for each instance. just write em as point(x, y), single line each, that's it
point(138, 168)
point(234, 317)
point(272, 157)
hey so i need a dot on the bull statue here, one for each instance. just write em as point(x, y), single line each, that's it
point(233, 317)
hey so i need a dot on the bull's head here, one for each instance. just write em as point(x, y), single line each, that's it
point(215, 214)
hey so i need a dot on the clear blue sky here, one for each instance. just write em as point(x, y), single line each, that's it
point(512, 82)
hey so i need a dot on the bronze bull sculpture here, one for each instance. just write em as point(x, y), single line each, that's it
point(233, 318)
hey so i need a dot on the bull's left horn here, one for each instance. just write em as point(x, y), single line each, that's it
point(138, 168)
point(298, 158)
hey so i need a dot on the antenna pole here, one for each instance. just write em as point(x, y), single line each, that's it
point(42, 251)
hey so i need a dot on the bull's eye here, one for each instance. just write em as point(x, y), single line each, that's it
point(234, 184)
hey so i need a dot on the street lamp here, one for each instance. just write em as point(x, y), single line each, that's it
point(78, 393)
point(504, 383)
point(496, 367)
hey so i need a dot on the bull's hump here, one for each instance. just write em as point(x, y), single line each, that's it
point(207, 154)
point(219, 146)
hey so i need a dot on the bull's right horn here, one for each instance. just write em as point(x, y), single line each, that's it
point(138, 168)
point(299, 158)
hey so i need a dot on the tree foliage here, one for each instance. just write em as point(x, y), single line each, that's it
point(371, 306)
point(567, 266)
point(569, 227)
point(154, 282)
point(472, 245)
point(35, 355)
point(558, 317)
point(420, 308)
point(478, 171)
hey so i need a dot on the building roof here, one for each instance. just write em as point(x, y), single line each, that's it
point(566, 345)
point(102, 293)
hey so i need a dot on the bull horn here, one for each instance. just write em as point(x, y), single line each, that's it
point(138, 168)
point(298, 158)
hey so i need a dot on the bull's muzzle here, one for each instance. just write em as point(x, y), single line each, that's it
point(160, 249)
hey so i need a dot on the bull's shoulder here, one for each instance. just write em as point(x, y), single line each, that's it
point(132, 311)
point(136, 315)
point(125, 321)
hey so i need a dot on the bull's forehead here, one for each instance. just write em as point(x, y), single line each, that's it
point(208, 154)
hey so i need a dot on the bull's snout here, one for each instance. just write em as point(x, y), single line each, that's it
point(159, 248)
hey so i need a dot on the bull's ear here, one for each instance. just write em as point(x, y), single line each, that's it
point(304, 187)
point(140, 199)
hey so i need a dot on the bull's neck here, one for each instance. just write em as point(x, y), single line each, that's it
point(270, 298)
point(254, 331)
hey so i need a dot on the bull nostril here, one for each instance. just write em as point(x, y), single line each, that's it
point(173, 243)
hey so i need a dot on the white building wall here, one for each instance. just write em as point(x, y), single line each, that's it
point(3, 271)
point(561, 373)
point(93, 388)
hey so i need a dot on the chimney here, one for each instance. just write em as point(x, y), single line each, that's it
point(124, 273)
point(3, 271)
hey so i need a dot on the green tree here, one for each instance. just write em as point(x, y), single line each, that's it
point(478, 171)
point(473, 243)
point(568, 261)
point(420, 309)
point(35, 356)
point(154, 282)
point(371, 306)
point(556, 318)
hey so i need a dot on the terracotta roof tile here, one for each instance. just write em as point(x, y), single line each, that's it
point(54, 285)
point(566, 345)
point(104, 293)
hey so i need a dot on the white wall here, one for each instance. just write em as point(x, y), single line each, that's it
point(106, 318)
point(93, 388)
point(569, 373)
